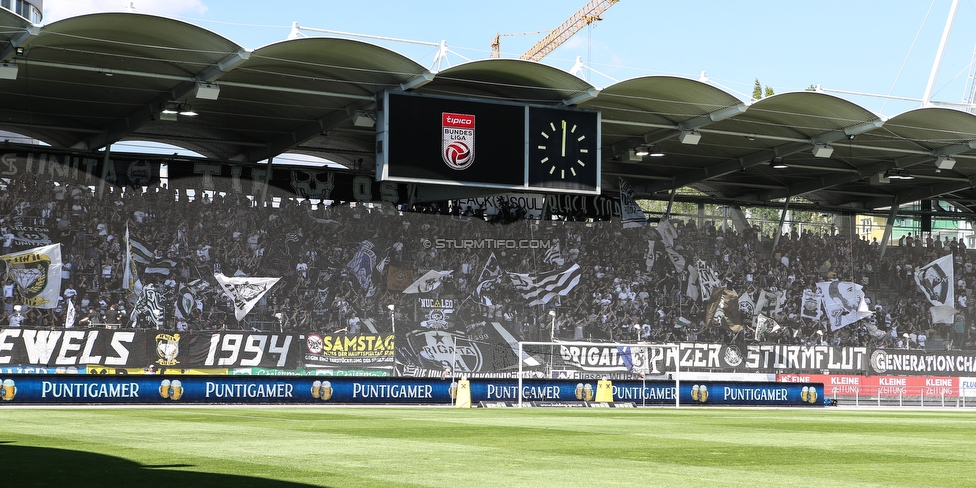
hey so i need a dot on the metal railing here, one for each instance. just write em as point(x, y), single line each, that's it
point(884, 396)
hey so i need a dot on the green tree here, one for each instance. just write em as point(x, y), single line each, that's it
point(759, 92)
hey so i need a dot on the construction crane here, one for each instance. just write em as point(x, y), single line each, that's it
point(583, 17)
point(496, 48)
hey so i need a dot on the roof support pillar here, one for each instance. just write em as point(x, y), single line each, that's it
point(782, 220)
point(889, 227)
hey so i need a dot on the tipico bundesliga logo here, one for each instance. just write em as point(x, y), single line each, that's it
point(457, 144)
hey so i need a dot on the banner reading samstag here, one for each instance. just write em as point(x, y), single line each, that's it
point(359, 352)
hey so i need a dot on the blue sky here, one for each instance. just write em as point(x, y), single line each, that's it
point(870, 46)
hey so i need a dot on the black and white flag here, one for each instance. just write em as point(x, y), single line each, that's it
point(936, 281)
point(244, 291)
point(542, 288)
point(630, 212)
point(428, 282)
point(553, 255)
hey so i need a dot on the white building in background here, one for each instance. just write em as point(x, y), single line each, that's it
point(32, 10)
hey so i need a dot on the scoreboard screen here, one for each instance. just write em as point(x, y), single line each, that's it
point(466, 142)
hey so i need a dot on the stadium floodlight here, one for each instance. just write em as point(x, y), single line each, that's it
point(945, 162)
point(822, 150)
point(526, 358)
point(690, 137)
point(207, 91)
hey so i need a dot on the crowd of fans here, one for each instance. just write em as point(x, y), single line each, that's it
point(628, 290)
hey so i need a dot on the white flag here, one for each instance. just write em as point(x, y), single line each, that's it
point(428, 282)
point(667, 231)
point(130, 277)
point(676, 259)
point(844, 303)
point(244, 291)
point(810, 304)
point(37, 274)
point(692, 290)
point(765, 325)
point(630, 212)
point(936, 280)
point(69, 316)
point(649, 256)
point(707, 278)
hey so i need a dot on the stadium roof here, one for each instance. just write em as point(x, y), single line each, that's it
point(90, 81)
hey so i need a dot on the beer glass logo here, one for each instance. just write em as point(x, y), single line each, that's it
point(322, 390)
point(588, 392)
point(579, 391)
point(808, 394)
point(7, 390)
point(699, 393)
point(453, 390)
point(172, 390)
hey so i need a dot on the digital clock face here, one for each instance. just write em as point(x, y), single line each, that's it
point(564, 149)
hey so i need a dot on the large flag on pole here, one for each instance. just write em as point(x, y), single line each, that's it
point(936, 280)
point(554, 255)
point(844, 303)
point(428, 282)
point(667, 231)
point(544, 287)
point(142, 255)
point(491, 270)
point(676, 259)
point(397, 278)
point(69, 316)
point(693, 290)
point(707, 278)
point(130, 277)
point(244, 291)
point(37, 274)
point(810, 305)
point(630, 212)
point(649, 256)
point(765, 325)
point(723, 310)
point(362, 264)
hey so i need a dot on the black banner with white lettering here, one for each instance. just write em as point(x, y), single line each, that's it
point(142, 348)
point(80, 169)
point(478, 350)
point(285, 181)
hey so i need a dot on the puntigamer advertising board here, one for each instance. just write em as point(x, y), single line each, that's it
point(184, 389)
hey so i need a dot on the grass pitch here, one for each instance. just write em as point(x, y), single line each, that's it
point(346, 447)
